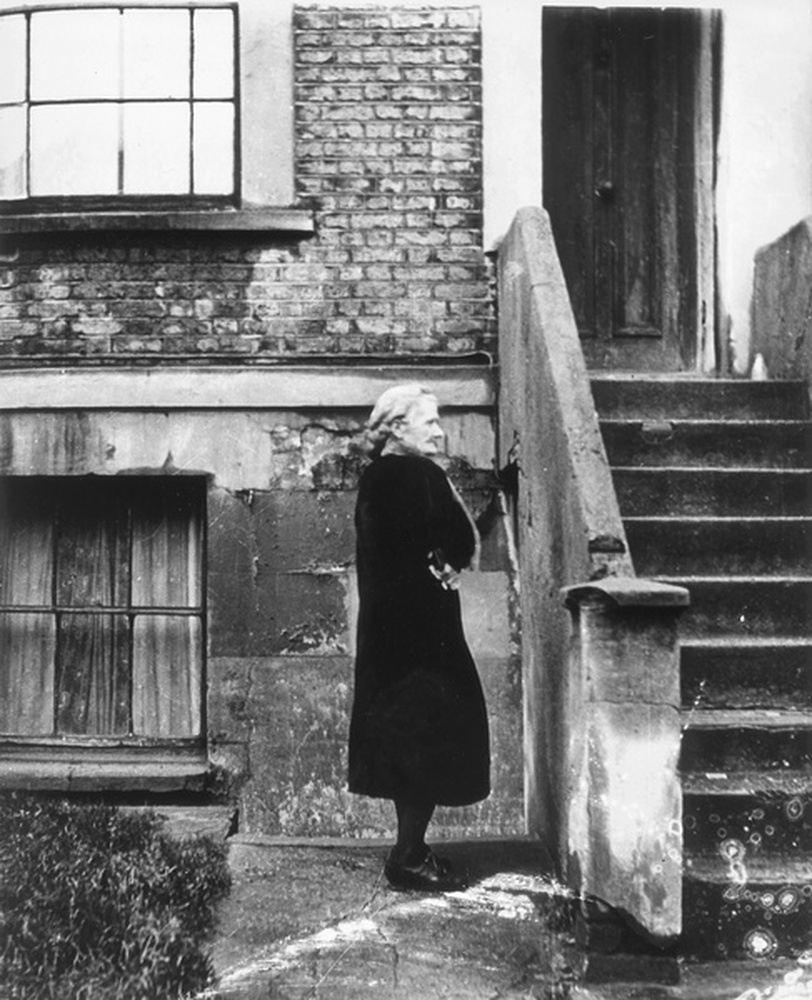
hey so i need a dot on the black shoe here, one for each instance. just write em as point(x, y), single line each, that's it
point(442, 864)
point(430, 875)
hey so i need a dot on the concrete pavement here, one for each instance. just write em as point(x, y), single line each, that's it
point(312, 920)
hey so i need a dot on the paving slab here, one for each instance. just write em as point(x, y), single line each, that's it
point(316, 920)
point(308, 921)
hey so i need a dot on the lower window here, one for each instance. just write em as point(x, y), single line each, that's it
point(102, 612)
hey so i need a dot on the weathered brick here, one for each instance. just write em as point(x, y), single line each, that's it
point(365, 56)
point(419, 19)
point(463, 18)
point(13, 328)
point(315, 56)
point(456, 112)
point(415, 92)
point(378, 220)
point(418, 74)
point(372, 19)
point(314, 19)
point(379, 130)
point(417, 56)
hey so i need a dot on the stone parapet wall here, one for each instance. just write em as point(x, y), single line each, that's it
point(782, 304)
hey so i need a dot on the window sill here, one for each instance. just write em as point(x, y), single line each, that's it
point(88, 771)
point(234, 220)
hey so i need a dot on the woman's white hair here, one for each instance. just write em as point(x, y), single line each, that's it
point(393, 404)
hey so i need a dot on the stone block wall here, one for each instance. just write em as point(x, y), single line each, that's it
point(281, 598)
point(388, 125)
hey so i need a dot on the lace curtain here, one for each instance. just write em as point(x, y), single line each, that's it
point(99, 555)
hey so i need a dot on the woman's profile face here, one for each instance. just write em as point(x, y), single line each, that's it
point(419, 432)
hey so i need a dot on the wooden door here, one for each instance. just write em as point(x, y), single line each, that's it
point(628, 179)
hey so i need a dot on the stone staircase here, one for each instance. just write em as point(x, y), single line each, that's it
point(714, 481)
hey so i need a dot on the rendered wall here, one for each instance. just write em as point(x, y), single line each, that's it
point(281, 595)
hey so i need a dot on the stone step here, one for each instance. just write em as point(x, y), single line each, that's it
point(709, 491)
point(746, 979)
point(745, 606)
point(761, 913)
point(729, 741)
point(716, 443)
point(736, 545)
point(658, 398)
point(777, 785)
point(771, 827)
point(746, 673)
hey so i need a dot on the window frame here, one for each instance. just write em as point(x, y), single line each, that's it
point(78, 743)
point(121, 199)
point(265, 148)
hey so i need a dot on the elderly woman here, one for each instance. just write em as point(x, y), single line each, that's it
point(419, 730)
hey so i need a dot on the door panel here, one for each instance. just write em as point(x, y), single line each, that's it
point(625, 107)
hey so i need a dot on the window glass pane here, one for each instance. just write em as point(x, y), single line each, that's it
point(74, 149)
point(166, 553)
point(27, 644)
point(12, 58)
point(214, 148)
point(74, 54)
point(156, 149)
point(94, 686)
point(167, 657)
point(26, 545)
point(12, 153)
point(214, 53)
point(156, 53)
point(91, 556)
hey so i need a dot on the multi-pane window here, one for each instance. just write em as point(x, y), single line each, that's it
point(101, 608)
point(111, 102)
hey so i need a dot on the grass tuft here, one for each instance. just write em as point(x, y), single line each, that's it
point(100, 904)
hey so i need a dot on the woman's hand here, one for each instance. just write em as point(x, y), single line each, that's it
point(448, 576)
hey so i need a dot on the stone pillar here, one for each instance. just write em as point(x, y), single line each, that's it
point(625, 802)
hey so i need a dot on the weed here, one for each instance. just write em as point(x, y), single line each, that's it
point(101, 904)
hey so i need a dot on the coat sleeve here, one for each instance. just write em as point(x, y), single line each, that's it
point(414, 516)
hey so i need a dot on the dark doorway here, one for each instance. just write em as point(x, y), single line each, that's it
point(628, 137)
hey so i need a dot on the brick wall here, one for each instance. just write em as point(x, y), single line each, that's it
point(388, 128)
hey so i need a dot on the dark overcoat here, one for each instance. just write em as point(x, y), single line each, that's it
point(419, 728)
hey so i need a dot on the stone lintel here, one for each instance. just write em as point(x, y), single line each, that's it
point(237, 387)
